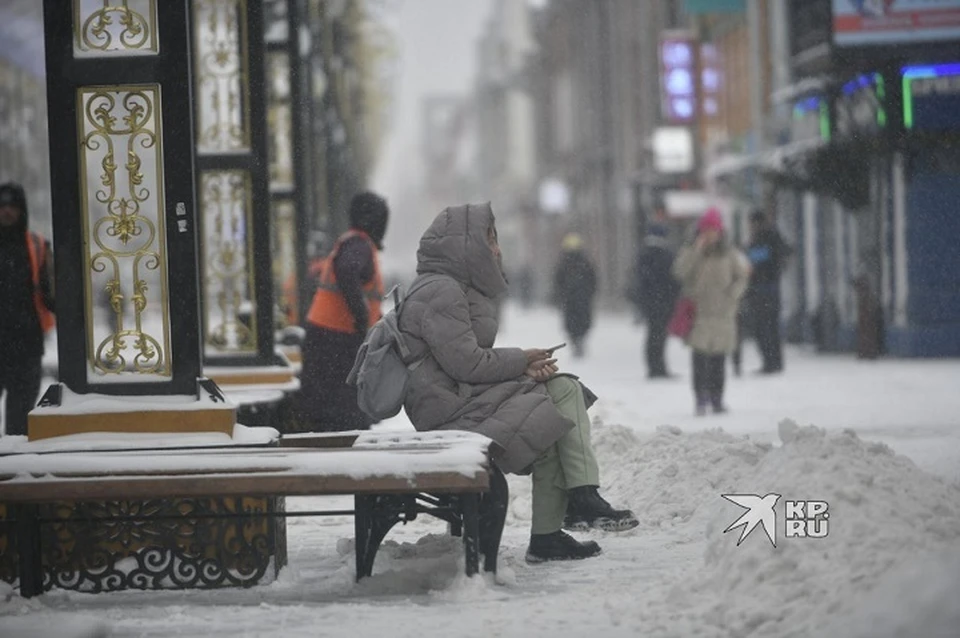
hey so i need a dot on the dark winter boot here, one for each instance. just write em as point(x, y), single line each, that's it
point(702, 402)
point(586, 509)
point(716, 402)
point(559, 546)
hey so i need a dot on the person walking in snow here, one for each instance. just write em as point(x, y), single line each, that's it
point(574, 285)
point(345, 305)
point(26, 290)
point(655, 294)
point(516, 397)
point(714, 276)
point(768, 254)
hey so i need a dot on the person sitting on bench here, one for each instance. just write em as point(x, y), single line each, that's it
point(460, 381)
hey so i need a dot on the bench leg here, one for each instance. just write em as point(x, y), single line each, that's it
point(493, 515)
point(470, 504)
point(374, 517)
point(30, 549)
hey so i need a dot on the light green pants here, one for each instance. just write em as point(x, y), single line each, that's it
point(566, 464)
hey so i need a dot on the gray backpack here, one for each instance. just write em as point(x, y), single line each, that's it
point(382, 368)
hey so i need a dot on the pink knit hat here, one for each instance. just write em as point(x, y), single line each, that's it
point(711, 220)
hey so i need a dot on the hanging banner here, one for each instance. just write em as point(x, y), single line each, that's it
point(866, 22)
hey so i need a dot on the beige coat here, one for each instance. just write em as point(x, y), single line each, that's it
point(464, 382)
point(715, 280)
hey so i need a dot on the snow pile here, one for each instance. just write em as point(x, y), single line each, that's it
point(890, 565)
point(884, 514)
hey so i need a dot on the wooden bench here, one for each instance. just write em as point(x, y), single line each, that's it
point(393, 479)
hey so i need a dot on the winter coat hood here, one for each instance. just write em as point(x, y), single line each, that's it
point(456, 245)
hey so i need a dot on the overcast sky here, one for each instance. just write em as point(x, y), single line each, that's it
point(437, 42)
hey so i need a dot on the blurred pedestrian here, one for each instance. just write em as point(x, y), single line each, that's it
point(525, 286)
point(26, 290)
point(515, 397)
point(768, 254)
point(714, 277)
point(345, 306)
point(574, 285)
point(656, 293)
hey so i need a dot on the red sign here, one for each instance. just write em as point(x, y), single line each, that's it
point(866, 22)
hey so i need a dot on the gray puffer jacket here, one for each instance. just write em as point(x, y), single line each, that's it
point(464, 383)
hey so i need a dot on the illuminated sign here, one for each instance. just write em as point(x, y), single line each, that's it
point(931, 97)
point(677, 77)
point(811, 120)
point(861, 105)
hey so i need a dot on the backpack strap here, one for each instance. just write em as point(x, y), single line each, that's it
point(399, 301)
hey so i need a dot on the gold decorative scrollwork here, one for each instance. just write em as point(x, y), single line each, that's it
point(229, 316)
point(220, 43)
point(123, 224)
point(112, 27)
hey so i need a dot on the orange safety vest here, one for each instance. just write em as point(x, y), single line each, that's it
point(290, 292)
point(37, 252)
point(329, 309)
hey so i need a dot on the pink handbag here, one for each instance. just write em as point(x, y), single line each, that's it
point(681, 323)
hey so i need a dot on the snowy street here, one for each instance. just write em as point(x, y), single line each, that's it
point(890, 565)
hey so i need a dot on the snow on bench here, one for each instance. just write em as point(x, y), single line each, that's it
point(160, 473)
point(393, 478)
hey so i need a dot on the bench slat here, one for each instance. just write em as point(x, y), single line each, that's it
point(267, 484)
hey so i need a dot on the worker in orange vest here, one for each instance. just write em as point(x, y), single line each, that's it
point(345, 306)
point(316, 256)
point(26, 313)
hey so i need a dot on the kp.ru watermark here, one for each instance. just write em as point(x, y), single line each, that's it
point(802, 519)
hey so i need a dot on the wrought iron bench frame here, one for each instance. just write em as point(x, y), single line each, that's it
point(474, 507)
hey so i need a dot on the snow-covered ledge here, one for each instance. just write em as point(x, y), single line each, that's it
point(62, 412)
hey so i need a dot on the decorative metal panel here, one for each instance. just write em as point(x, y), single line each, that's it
point(125, 257)
point(115, 28)
point(222, 80)
point(280, 122)
point(229, 308)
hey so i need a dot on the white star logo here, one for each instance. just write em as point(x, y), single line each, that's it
point(759, 512)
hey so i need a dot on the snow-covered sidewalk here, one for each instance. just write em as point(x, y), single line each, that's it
point(890, 565)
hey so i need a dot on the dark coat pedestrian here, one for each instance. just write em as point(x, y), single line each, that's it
point(26, 291)
point(575, 285)
point(656, 292)
point(768, 254)
point(346, 304)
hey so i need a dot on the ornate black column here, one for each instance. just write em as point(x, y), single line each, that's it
point(119, 109)
point(232, 178)
point(125, 229)
point(299, 45)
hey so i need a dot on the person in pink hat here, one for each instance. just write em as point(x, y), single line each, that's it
point(714, 276)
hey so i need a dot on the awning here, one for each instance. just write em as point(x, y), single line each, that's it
point(730, 164)
point(804, 88)
point(785, 158)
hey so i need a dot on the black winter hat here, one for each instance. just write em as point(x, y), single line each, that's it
point(12, 194)
point(369, 213)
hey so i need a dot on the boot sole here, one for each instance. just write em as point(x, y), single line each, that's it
point(533, 559)
point(604, 524)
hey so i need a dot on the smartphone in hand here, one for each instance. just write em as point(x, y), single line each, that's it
point(550, 351)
